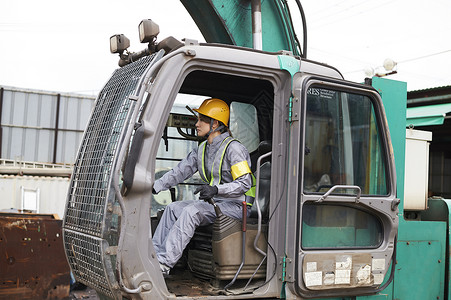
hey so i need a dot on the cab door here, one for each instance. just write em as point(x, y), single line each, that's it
point(341, 236)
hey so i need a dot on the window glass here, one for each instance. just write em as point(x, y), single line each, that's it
point(343, 144)
point(335, 226)
point(30, 199)
point(244, 124)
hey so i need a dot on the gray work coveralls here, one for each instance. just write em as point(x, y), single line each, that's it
point(180, 219)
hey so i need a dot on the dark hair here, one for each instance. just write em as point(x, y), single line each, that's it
point(204, 118)
point(224, 128)
point(207, 119)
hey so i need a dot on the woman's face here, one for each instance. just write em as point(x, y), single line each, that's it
point(202, 125)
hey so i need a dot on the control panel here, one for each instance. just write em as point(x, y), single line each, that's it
point(181, 121)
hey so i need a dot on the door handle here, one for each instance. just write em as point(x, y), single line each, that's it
point(354, 187)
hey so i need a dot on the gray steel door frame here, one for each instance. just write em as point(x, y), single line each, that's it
point(140, 266)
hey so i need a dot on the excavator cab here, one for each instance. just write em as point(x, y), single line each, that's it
point(210, 256)
point(325, 222)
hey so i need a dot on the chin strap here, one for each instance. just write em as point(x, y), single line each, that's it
point(211, 128)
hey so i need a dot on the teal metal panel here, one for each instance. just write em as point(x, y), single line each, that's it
point(419, 270)
point(427, 115)
point(278, 33)
point(289, 64)
point(209, 21)
point(425, 121)
point(375, 297)
point(422, 231)
point(394, 97)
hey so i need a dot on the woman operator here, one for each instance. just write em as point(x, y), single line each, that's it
point(223, 164)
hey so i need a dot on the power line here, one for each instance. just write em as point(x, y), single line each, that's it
point(424, 56)
point(329, 8)
point(359, 12)
point(337, 12)
point(407, 60)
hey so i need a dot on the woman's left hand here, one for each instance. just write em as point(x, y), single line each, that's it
point(206, 191)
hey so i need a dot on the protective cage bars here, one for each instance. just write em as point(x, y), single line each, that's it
point(89, 227)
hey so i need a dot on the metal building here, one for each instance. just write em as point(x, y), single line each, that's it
point(42, 126)
point(40, 133)
point(430, 110)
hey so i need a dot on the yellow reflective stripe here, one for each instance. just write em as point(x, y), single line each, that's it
point(240, 169)
point(203, 163)
point(251, 191)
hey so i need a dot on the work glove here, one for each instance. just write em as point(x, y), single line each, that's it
point(154, 192)
point(206, 191)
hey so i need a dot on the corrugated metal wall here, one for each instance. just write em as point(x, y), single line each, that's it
point(42, 126)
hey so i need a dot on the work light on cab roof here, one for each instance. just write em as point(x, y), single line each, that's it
point(148, 32)
point(119, 43)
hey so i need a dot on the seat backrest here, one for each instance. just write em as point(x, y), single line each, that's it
point(264, 186)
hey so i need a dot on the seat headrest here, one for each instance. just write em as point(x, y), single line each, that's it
point(264, 147)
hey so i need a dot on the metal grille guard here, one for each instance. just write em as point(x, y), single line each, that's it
point(91, 223)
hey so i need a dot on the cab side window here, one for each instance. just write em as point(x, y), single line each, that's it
point(343, 144)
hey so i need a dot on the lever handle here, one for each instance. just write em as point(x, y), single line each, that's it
point(217, 209)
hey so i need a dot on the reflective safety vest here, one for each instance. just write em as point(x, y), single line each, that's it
point(237, 170)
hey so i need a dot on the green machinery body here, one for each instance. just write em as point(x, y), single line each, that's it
point(422, 252)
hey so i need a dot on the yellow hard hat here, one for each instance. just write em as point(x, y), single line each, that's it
point(215, 109)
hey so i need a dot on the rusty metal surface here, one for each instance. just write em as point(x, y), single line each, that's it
point(32, 260)
point(85, 293)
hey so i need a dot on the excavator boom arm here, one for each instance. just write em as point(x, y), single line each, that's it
point(230, 22)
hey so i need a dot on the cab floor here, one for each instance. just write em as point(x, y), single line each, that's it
point(183, 283)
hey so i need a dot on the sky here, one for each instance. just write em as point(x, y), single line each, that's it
point(63, 46)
